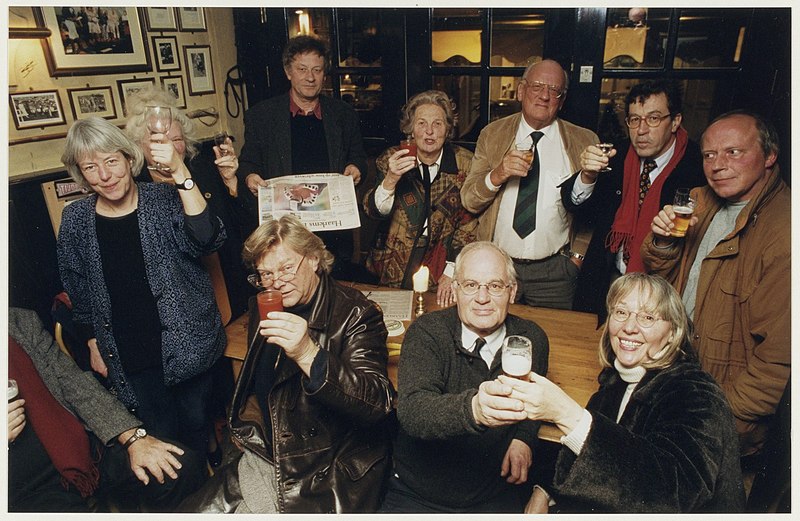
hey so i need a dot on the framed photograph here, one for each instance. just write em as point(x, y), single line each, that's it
point(93, 40)
point(174, 85)
point(168, 57)
point(191, 19)
point(35, 109)
point(92, 101)
point(161, 19)
point(199, 72)
point(128, 87)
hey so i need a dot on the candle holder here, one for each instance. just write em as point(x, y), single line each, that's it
point(420, 305)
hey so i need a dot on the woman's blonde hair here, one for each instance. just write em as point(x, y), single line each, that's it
point(287, 230)
point(136, 126)
point(662, 301)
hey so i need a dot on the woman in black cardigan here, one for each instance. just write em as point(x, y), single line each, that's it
point(658, 436)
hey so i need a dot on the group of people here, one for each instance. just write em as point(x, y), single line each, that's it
point(695, 350)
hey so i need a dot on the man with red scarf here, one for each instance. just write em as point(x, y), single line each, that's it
point(621, 203)
point(63, 421)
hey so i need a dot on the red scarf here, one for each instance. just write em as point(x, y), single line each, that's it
point(62, 435)
point(631, 223)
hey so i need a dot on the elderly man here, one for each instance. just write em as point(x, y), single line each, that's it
point(733, 268)
point(458, 449)
point(518, 199)
point(60, 421)
point(313, 395)
point(301, 132)
point(620, 204)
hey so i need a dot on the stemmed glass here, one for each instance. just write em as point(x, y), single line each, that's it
point(606, 148)
point(158, 120)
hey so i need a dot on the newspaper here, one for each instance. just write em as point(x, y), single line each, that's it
point(322, 202)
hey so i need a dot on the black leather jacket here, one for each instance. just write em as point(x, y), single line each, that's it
point(331, 447)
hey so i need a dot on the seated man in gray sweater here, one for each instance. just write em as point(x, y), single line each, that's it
point(456, 451)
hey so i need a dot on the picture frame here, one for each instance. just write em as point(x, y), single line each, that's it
point(79, 46)
point(128, 87)
point(199, 69)
point(92, 101)
point(36, 109)
point(191, 19)
point(174, 85)
point(161, 18)
point(166, 53)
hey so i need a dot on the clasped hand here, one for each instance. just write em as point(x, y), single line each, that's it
point(663, 222)
point(399, 163)
point(163, 152)
point(593, 160)
point(513, 165)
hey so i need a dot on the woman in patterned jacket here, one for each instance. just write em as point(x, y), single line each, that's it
point(418, 197)
point(129, 259)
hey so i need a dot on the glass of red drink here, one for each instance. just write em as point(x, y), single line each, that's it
point(269, 300)
point(411, 146)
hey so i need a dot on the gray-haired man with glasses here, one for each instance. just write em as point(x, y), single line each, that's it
point(459, 448)
point(621, 202)
point(513, 185)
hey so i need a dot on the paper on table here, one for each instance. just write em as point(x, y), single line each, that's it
point(396, 305)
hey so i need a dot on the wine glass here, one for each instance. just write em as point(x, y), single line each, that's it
point(158, 120)
point(221, 139)
point(606, 148)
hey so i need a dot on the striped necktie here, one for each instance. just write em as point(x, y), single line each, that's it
point(525, 212)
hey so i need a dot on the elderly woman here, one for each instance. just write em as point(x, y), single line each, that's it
point(128, 258)
point(310, 405)
point(215, 179)
point(658, 436)
point(419, 197)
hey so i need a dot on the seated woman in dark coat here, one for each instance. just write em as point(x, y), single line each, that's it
point(658, 436)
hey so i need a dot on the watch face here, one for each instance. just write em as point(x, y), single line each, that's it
point(141, 433)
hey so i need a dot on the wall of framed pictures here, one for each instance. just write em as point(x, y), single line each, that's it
point(95, 56)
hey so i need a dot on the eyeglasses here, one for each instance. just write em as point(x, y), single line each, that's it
point(262, 279)
point(652, 120)
point(538, 87)
point(470, 287)
point(646, 320)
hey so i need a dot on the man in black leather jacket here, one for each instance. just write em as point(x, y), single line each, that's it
point(311, 405)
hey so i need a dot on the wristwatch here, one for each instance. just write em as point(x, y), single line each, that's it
point(187, 184)
point(138, 434)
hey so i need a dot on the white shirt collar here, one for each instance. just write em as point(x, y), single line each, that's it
point(493, 342)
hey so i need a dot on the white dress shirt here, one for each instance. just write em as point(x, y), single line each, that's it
point(493, 342)
point(552, 220)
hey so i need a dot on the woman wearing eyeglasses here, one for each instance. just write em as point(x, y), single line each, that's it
point(658, 436)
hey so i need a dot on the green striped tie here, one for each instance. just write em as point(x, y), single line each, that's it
point(525, 212)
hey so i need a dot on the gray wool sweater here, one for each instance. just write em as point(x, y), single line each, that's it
point(441, 453)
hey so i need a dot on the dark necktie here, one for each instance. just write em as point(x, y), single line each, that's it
point(525, 212)
point(479, 343)
point(426, 183)
point(644, 180)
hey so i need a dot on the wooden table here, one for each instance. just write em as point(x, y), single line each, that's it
point(573, 336)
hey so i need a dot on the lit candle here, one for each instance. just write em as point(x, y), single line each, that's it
point(421, 280)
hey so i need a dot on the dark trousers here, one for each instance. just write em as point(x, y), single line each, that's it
point(179, 412)
point(400, 499)
point(35, 484)
point(547, 283)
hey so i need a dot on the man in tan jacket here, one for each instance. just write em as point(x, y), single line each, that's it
point(517, 197)
point(733, 269)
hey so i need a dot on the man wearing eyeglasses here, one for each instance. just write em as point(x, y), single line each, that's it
point(311, 405)
point(460, 446)
point(619, 204)
point(517, 198)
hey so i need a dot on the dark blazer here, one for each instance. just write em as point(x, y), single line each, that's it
point(675, 449)
point(267, 148)
point(599, 211)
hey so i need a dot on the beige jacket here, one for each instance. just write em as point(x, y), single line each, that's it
point(495, 140)
point(742, 315)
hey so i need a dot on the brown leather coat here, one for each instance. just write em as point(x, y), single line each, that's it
point(330, 446)
point(743, 312)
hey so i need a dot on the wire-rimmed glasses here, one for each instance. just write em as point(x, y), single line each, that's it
point(653, 120)
point(257, 279)
point(470, 287)
point(644, 319)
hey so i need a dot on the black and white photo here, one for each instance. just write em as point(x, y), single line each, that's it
point(36, 109)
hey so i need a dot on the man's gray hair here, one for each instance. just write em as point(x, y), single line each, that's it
point(511, 273)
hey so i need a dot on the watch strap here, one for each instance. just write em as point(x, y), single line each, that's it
point(137, 435)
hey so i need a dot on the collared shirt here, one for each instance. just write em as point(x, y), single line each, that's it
point(493, 342)
point(384, 199)
point(582, 191)
point(552, 220)
point(295, 110)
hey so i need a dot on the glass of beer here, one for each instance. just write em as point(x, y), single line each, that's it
point(527, 152)
point(606, 148)
point(269, 300)
point(683, 206)
point(411, 145)
point(517, 357)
